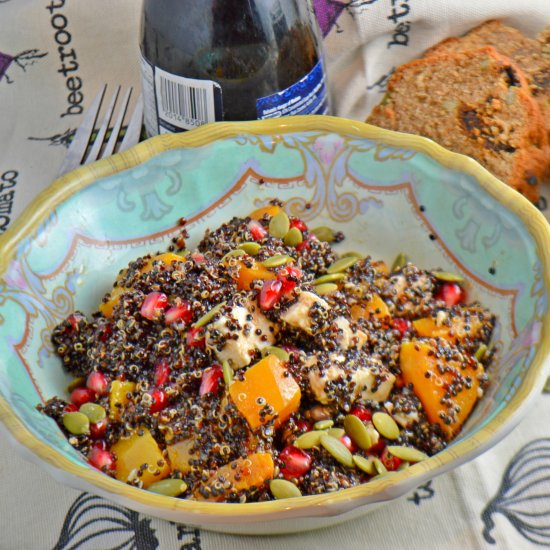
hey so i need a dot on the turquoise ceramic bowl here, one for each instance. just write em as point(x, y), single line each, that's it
point(388, 192)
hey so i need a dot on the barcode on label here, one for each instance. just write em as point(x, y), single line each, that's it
point(184, 103)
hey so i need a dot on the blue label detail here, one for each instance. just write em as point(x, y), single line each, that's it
point(307, 97)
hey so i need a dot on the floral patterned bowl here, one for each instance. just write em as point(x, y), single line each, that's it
point(388, 192)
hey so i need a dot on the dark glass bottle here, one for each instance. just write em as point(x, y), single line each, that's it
point(210, 60)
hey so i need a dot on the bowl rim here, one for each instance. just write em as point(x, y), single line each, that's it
point(316, 505)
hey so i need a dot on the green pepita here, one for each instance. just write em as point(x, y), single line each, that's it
point(329, 278)
point(480, 352)
point(232, 254)
point(281, 488)
point(95, 413)
point(379, 466)
point(76, 383)
point(323, 424)
point(294, 237)
point(277, 260)
point(76, 423)
point(357, 431)
point(408, 454)
point(364, 464)
point(325, 289)
point(279, 225)
point(308, 440)
point(353, 254)
point(168, 487)
point(403, 466)
point(448, 276)
point(342, 264)
point(227, 372)
point(399, 262)
point(280, 353)
point(337, 449)
point(385, 425)
point(323, 233)
point(546, 388)
point(336, 432)
point(207, 317)
point(251, 248)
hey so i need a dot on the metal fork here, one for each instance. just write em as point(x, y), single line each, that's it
point(98, 146)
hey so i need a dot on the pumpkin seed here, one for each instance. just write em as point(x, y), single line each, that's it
point(277, 260)
point(379, 466)
point(76, 383)
point(280, 353)
point(342, 264)
point(357, 431)
point(95, 413)
point(385, 425)
point(546, 388)
point(232, 254)
point(323, 424)
point(76, 422)
point(308, 440)
point(251, 248)
point(480, 352)
point(329, 278)
point(325, 289)
point(168, 487)
point(324, 233)
point(353, 254)
point(207, 317)
point(364, 464)
point(399, 262)
point(403, 466)
point(294, 237)
point(408, 454)
point(337, 449)
point(227, 372)
point(279, 224)
point(336, 432)
point(281, 488)
point(448, 276)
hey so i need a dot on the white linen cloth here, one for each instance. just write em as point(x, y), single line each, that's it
point(54, 57)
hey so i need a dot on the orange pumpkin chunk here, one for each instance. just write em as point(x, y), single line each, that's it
point(118, 397)
point(134, 451)
point(374, 307)
point(243, 473)
point(180, 454)
point(267, 384)
point(249, 274)
point(447, 398)
point(453, 331)
point(271, 210)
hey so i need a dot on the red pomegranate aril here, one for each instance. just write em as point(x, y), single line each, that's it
point(101, 459)
point(294, 462)
point(79, 396)
point(98, 429)
point(401, 325)
point(362, 413)
point(198, 258)
point(303, 426)
point(182, 312)
point(195, 338)
point(100, 444)
point(74, 319)
point(210, 380)
point(161, 374)
point(304, 245)
point(348, 443)
point(298, 224)
point(160, 400)
point(271, 293)
point(377, 448)
point(70, 408)
point(289, 277)
point(291, 349)
point(257, 230)
point(451, 293)
point(98, 383)
point(153, 305)
point(390, 462)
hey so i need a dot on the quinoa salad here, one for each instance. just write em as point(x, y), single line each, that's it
point(264, 364)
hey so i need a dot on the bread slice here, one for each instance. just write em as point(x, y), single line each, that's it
point(527, 53)
point(476, 103)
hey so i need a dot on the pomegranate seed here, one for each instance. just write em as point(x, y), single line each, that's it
point(298, 224)
point(390, 462)
point(270, 294)
point(210, 380)
point(100, 444)
point(351, 446)
point(70, 408)
point(291, 348)
point(303, 426)
point(195, 338)
point(160, 400)
point(294, 462)
point(198, 258)
point(451, 293)
point(182, 312)
point(98, 429)
point(154, 303)
point(98, 383)
point(378, 447)
point(304, 245)
point(74, 319)
point(161, 374)
point(362, 413)
point(401, 325)
point(79, 396)
point(101, 459)
point(105, 332)
point(289, 277)
point(257, 230)
point(399, 381)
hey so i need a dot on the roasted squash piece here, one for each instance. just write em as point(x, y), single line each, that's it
point(373, 307)
point(447, 389)
point(271, 210)
point(180, 454)
point(247, 275)
point(118, 397)
point(453, 328)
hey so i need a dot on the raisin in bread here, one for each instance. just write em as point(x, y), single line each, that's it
point(476, 103)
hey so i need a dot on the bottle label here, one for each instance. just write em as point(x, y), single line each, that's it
point(308, 96)
point(174, 103)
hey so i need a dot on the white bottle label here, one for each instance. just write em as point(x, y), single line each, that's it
point(174, 103)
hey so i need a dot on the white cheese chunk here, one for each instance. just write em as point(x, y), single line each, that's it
point(297, 315)
point(367, 378)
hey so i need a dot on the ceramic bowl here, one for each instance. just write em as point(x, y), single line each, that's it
point(388, 192)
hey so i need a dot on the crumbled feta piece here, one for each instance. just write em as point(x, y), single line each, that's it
point(347, 338)
point(373, 383)
point(297, 315)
